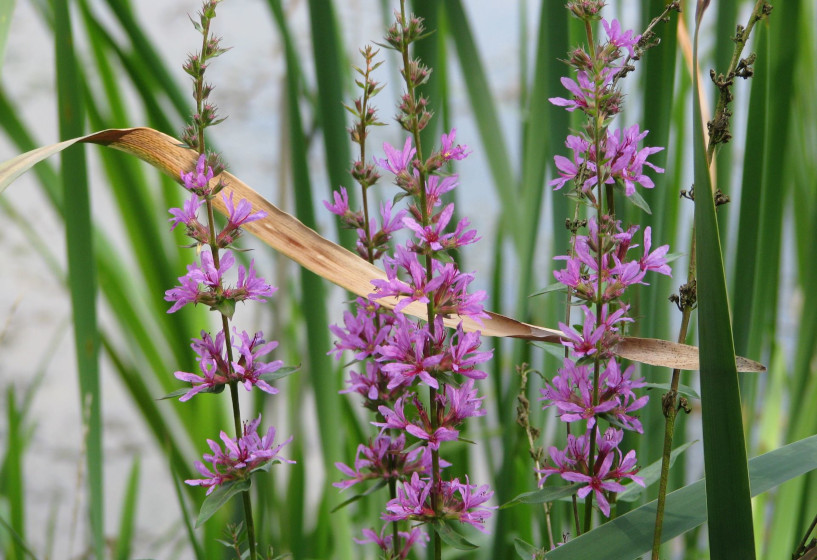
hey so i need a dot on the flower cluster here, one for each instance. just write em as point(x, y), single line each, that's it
point(573, 464)
point(217, 370)
point(230, 357)
point(461, 502)
point(397, 353)
point(239, 458)
point(591, 384)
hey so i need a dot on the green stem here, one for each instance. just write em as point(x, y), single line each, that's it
point(670, 406)
point(245, 496)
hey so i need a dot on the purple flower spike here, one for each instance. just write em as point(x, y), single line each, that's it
point(239, 458)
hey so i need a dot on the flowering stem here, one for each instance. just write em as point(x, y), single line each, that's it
point(225, 325)
point(433, 409)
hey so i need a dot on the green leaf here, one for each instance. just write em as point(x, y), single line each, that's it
point(525, 549)
point(555, 287)
point(650, 475)
point(221, 496)
point(543, 495)
point(82, 280)
point(380, 484)
point(124, 542)
point(451, 537)
point(180, 392)
point(280, 373)
point(226, 307)
point(682, 389)
point(635, 199)
point(731, 531)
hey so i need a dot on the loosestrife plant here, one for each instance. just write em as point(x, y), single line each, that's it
point(230, 357)
point(396, 355)
point(592, 386)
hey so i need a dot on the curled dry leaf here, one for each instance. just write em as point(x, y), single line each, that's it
point(289, 236)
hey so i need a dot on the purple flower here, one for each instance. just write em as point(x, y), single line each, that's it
point(416, 289)
point(461, 403)
point(188, 215)
point(586, 343)
point(198, 181)
point(431, 234)
point(569, 170)
point(436, 187)
point(239, 457)
point(250, 286)
point(360, 332)
point(628, 161)
point(597, 484)
point(237, 216)
point(186, 292)
point(584, 96)
point(246, 367)
point(617, 38)
point(404, 356)
point(341, 205)
point(396, 160)
point(654, 261)
point(240, 214)
point(449, 151)
point(463, 355)
point(463, 502)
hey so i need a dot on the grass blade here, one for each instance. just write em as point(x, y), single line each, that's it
point(124, 541)
point(731, 532)
point(81, 266)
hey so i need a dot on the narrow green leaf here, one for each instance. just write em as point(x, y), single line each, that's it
point(525, 550)
point(451, 537)
point(731, 532)
point(630, 535)
point(127, 520)
point(380, 484)
point(682, 389)
point(550, 288)
point(279, 374)
point(220, 497)
point(543, 495)
point(81, 267)
point(12, 487)
point(650, 475)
